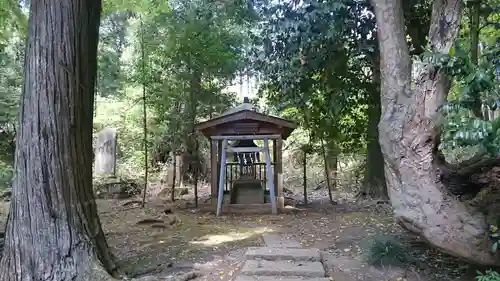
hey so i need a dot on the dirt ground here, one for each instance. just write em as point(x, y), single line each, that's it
point(215, 246)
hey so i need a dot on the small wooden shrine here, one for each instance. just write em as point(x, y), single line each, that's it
point(246, 176)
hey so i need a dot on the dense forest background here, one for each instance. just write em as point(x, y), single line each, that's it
point(410, 117)
point(156, 50)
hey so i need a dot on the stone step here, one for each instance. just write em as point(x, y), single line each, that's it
point(273, 254)
point(276, 241)
point(279, 278)
point(283, 268)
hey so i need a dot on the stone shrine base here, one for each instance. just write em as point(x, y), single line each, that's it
point(265, 208)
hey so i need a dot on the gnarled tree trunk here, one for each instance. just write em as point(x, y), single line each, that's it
point(409, 135)
point(53, 230)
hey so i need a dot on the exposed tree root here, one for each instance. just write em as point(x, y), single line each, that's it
point(149, 221)
point(95, 271)
point(132, 202)
point(187, 276)
point(182, 277)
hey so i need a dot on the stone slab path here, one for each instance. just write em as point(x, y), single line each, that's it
point(282, 259)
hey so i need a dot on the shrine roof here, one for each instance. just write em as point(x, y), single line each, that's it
point(247, 112)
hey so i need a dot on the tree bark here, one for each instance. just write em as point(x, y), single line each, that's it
point(192, 138)
point(330, 163)
point(374, 180)
point(196, 174)
point(474, 23)
point(174, 176)
point(144, 116)
point(304, 175)
point(409, 135)
point(53, 231)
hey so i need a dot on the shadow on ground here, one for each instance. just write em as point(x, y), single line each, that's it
point(193, 240)
point(215, 246)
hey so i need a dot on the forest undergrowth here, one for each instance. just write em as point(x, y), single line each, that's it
point(350, 237)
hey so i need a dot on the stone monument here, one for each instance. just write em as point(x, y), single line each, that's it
point(105, 153)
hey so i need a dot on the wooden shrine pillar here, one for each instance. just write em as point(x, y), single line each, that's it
point(275, 156)
point(278, 172)
point(219, 156)
point(214, 164)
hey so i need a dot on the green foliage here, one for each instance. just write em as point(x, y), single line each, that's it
point(124, 113)
point(472, 83)
point(386, 250)
point(316, 62)
point(191, 54)
point(11, 61)
point(461, 127)
point(135, 6)
point(489, 275)
point(112, 42)
point(13, 28)
point(183, 54)
point(12, 19)
point(494, 237)
point(6, 174)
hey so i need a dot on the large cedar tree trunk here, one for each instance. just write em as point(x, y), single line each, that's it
point(53, 231)
point(409, 135)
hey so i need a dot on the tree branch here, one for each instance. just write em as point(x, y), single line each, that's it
point(476, 164)
point(488, 23)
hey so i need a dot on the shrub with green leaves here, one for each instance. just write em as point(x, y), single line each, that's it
point(472, 83)
point(489, 275)
point(386, 250)
point(494, 238)
point(6, 174)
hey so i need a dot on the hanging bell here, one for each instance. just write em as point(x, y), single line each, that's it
point(245, 158)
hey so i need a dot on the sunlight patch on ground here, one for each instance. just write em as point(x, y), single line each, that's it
point(216, 239)
point(153, 243)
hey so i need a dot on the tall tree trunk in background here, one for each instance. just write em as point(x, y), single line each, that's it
point(144, 116)
point(328, 161)
point(333, 162)
point(474, 27)
point(409, 135)
point(304, 175)
point(196, 173)
point(191, 110)
point(475, 13)
point(174, 175)
point(195, 90)
point(374, 180)
point(179, 169)
point(53, 231)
